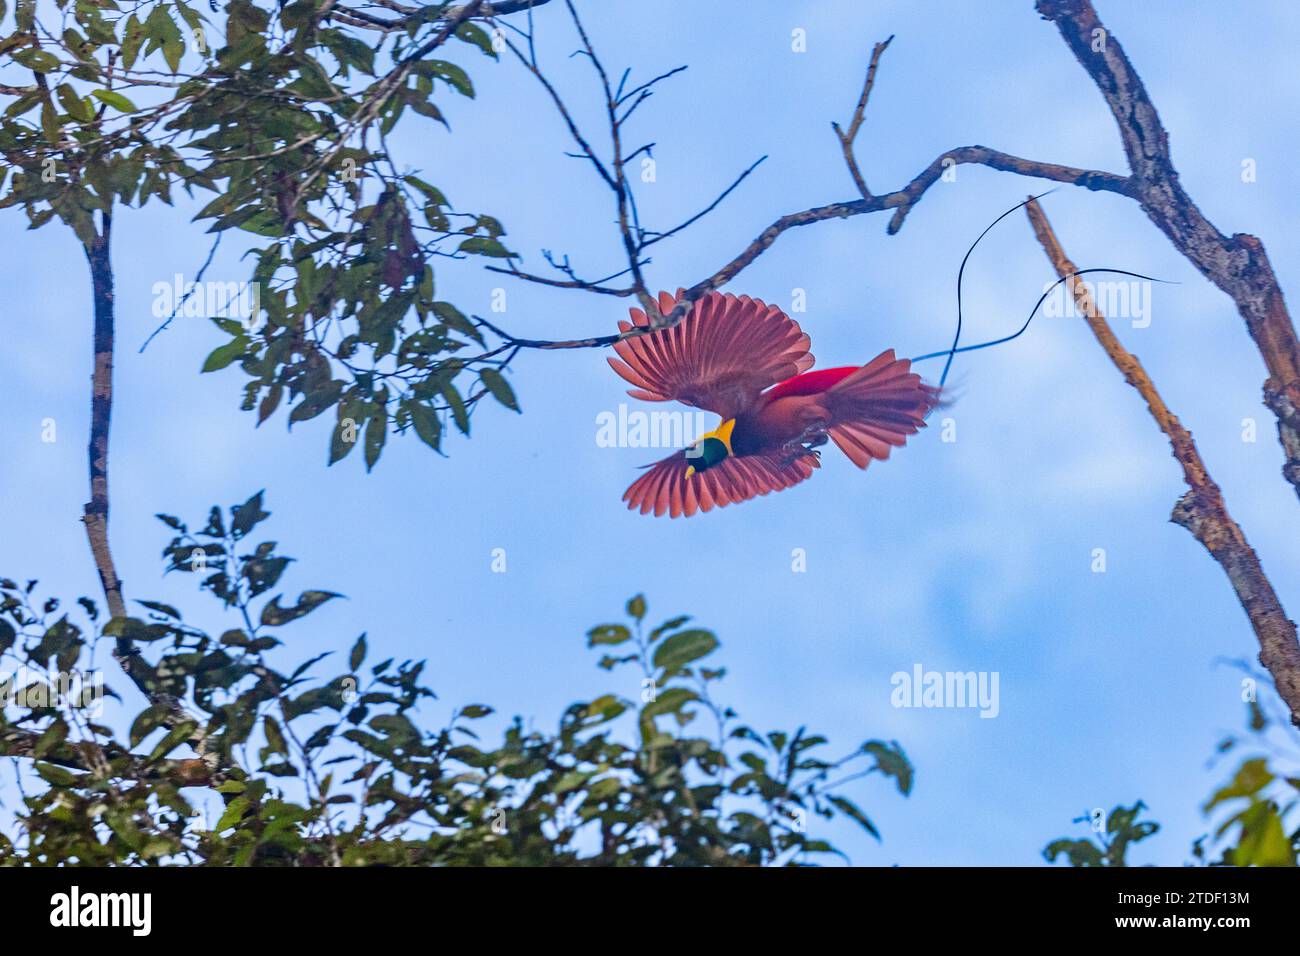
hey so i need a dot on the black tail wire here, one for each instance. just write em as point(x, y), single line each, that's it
point(953, 350)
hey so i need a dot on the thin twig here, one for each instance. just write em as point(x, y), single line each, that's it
point(185, 298)
point(846, 138)
point(901, 201)
point(574, 132)
point(620, 185)
point(660, 236)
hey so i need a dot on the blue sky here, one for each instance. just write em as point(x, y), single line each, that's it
point(974, 554)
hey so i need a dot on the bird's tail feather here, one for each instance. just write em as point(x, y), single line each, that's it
point(875, 408)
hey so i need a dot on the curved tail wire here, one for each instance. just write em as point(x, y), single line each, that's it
point(956, 339)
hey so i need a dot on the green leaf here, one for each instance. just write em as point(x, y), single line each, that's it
point(40, 61)
point(189, 14)
point(223, 355)
point(475, 34)
point(605, 708)
point(76, 107)
point(572, 780)
point(1252, 777)
point(669, 701)
point(432, 193)
point(133, 38)
point(484, 246)
point(459, 414)
point(351, 418)
point(173, 49)
point(235, 638)
point(683, 648)
point(636, 607)
point(165, 609)
point(274, 736)
point(450, 72)
point(1078, 852)
point(608, 634)
point(316, 402)
point(235, 811)
point(851, 810)
point(7, 636)
point(173, 739)
point(243, 518)
point(456, 319)
point(376, 435)
point(1264, 841)
point(50, 124)
point(275, 616)
point(115, 100)
point(358, 653)
point(892, 762)
point(147, 721)
point(53, 735)
point(496, 383)
point(426, 423)
point(54, 775)
point(671, 624)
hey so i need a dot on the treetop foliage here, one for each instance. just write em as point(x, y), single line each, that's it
point(333, 761)
point(277, 118)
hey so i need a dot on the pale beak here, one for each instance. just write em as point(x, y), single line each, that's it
point(690, 470)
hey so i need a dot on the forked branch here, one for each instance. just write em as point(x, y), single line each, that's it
point(636, 239)
point(1202, 510)
point(1236, 264)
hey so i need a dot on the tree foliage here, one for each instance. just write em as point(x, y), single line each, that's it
point(337, 762)
point(1256, 812)
point(1114, 834)
point(276, 117)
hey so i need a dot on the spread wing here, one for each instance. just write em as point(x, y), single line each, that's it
point(665, 489)
point(725, 352)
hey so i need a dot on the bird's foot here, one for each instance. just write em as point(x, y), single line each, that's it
point(811, 438)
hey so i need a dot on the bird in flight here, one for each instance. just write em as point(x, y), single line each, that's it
point(748, 362)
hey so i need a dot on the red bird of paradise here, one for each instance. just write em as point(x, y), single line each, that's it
point(748, 362)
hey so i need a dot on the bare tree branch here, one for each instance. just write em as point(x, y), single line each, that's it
point(101, 410)
point(660, 236)
point(635, 240)
point(198, 280)
point(1201, 510)
point(597, 286)
point(95, 515)
point(1093, 179)
point(531, 66)
point(408, 15)
point(499, 8)
point(855, 124)
point(1238, 264)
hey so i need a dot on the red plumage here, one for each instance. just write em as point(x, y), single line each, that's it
point(748, 362)
point(809, 383)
